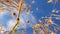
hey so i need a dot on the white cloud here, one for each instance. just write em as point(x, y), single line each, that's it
point(10, 24)
point(22, 23)
point(2, 13)
point(33, 1)
point(53, 10)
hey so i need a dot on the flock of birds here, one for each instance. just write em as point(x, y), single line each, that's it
point(44, 24)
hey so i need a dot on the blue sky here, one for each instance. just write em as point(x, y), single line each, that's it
point(39, 9)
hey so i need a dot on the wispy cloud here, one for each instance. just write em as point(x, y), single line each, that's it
point(10, 24)
point(2, 14)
